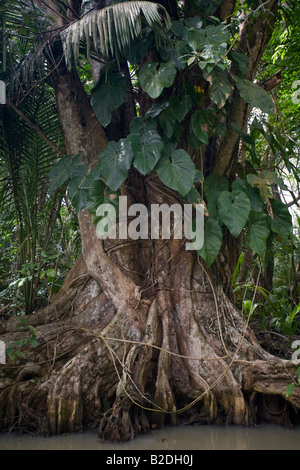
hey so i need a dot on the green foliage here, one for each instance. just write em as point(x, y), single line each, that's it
point(177, 172)
point(212, 240)
point(16, 347)
point(108, 95)
point(189, 78)
point(258, 232)
point(62, 171)
point(221, 88)
point(147, 147)
point(233, 209)
point(255, 95)
point(115, 161)
point(112, 28)
point(154, 77)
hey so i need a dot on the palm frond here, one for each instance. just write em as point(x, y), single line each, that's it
point(112, 28)
point(25, 158)
point(25, 53)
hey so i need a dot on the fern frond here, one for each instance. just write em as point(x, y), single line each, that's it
point(112, 28)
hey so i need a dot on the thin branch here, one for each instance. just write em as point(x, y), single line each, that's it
point(68, 7)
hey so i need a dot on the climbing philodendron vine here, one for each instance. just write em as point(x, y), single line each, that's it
point(152, 144)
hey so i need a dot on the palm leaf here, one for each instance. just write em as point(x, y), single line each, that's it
point(112, 28)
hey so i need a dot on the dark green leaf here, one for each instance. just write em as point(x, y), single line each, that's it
point(155, 77)
point(179, 53)
point(252, 193)
point(289, 390)
point(255, 95)
point(221, 88)
point(139, 125)
point(147, 150)
point(62, 171)
point(241, 60)
point(282, 221)
point(167, 122)
point(212, 187)
point(233, 210)
point(100, 194)
point(258, 232)
point(115, 161)
point(212, 240)
point(180, 107)
point(139, 47)
point(108, 95)
point(196, 38)
point(79, 184)
point(177, 173)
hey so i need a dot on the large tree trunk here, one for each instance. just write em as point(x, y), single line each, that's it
point(141, 333)
point(156, 343)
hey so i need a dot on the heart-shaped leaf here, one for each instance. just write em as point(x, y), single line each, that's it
point(180, 107)
point(177, 173)
point(154, 78)
point(62, 171)
point(115, 161)
point(220, 87)
point(258, 232)
point(212, 240)
point(252, 193)
point(233, 209)
point(108, 95)
point(147, 149)
point(282, 221)
point(79, 185)
point(100, 194)
point(213, 186)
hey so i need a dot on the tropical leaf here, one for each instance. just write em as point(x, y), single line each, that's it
point(255, 95)
point(147, 149)
point(220, 86)
point(281, 222)
point(213, 186)
point(62, 171)
point(177, 173)
point(233, 209)
point(112, 28)
point(99, 193)
point(115, 161)
point(108, 95)
point(154, 77)
point(258, 232)
point(212, 240)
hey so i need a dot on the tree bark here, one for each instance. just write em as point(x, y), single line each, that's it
point(142, 333)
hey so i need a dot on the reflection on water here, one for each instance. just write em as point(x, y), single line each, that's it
point(264, 437)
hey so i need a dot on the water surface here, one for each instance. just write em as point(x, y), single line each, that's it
point(208, 437)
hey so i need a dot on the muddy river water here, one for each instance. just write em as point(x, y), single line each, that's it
point(264, 437)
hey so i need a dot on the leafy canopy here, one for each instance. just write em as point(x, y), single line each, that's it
point(192, 110)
